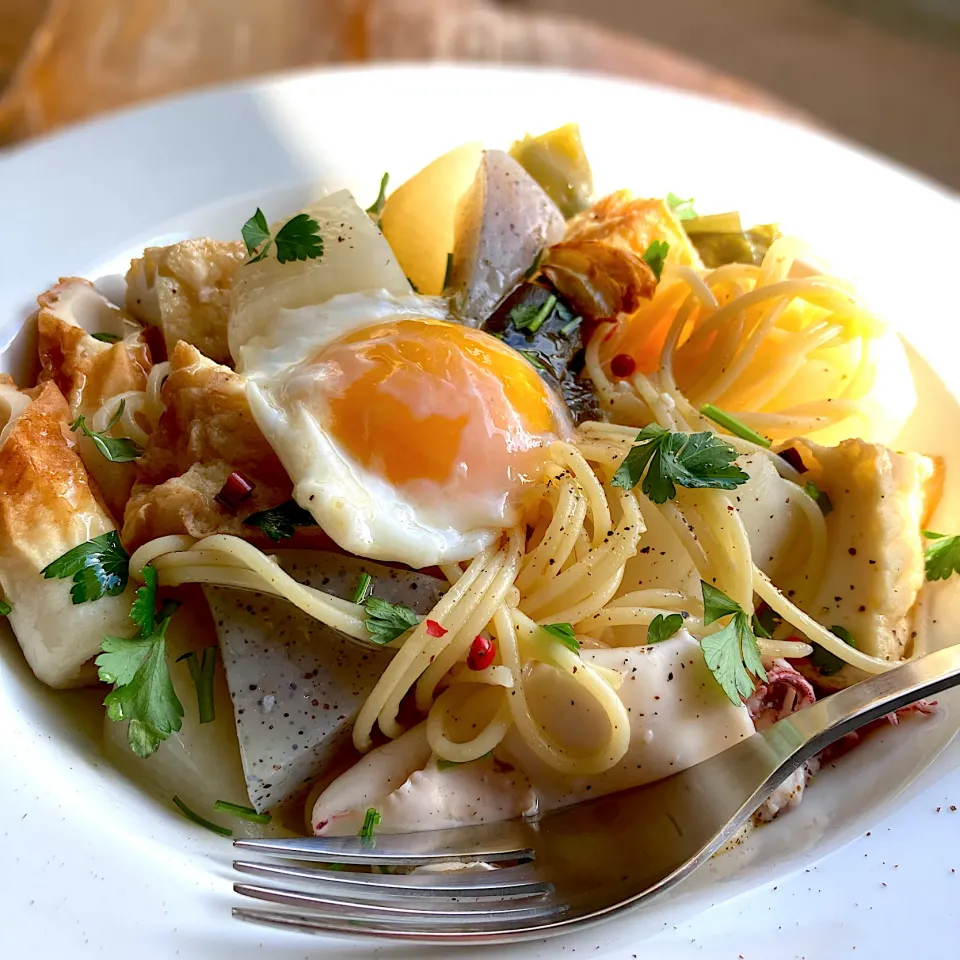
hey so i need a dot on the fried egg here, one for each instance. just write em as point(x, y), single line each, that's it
point(408, 437)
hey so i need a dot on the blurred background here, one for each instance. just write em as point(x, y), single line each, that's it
point(885, 73)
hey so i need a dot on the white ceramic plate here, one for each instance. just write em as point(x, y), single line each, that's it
point(91, 861)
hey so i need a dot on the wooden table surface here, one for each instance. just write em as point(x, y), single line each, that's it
point(67, 60)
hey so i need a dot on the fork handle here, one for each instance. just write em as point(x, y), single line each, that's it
point(805, 733)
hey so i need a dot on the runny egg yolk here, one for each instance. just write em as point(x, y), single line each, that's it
point(421, 401)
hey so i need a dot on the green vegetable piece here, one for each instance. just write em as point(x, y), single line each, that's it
point(255, 232)
point(564, 633)
point(829, 663)
point(371, 821)
point(364, 586)
point(721, 239)
point(663, 628)
point(376, 208)
point(942, 556)
point(731, 653)
point(533, 360)
point(202, 673)
point(280, 523)
point(682, 209)
point(5, 609)
point(386, 621)
point(447, 764)
point(298, 239)
point(656, 256)
point(99, 567)
point(693, 460)
point(733, 425)
point(201, 821)
point(241, 812)
point(558, 162)
point(107, 337)
point(121, 450)
point(528, 316)
point(822, 498)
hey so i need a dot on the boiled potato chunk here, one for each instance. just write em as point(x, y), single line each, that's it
point(419, 217)
point(503, 222)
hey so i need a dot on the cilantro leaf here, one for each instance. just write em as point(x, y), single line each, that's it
point(107, 337)
point(731, 652)
point(386, 621)
point(148, 698)
point(682, 209)
point(299, 239)
point(145, 603)
point(370, 822)
point(663, 628)
point(942, 556)
point(656, 256)
point(829, 663)
point(279, 523)
point(529, 316)
point(678, 459)
point(121, 450)
point(5, 609)
point(254, 232)
point(99, 567)
point(564, 633)
point(376, 208)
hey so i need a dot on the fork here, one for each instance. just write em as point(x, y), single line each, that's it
point(573, 866)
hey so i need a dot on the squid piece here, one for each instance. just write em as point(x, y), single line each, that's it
point(48, 506)
point(92, 372)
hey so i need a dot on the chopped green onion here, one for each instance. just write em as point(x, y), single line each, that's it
point(242, 813)
point(568, 328)
point(733, 425)
point(364, 586)
point(533, 360)
point(202, 672)
point(370, 822)
point(537, 322)
point(201, 821)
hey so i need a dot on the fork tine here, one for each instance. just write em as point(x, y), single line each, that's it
point(506, 841)
point(507, 883)
point(518, 928)
point(472, 914)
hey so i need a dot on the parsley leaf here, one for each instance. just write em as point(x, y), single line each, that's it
point(663, 628)
point(5, 609)
point(682, 209)
point(829, 663)
point(144, 607)
point(656, 256)
point(279, 523)
point(942, 556)
point(122, 450)
point(143, 693)
point(376, 208)
point(731, 652)
point(529, 316)
point(99, 567)
point(298, 239)
point(690, 460)
point(107, 337)
point(386, 621)
point(202, 671)
point(254, 232)
point(564, 633)
point(370, 822)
